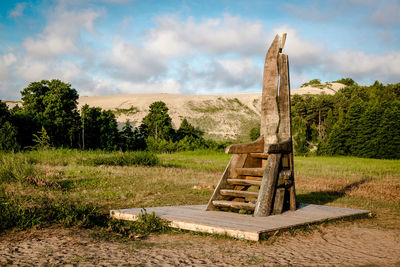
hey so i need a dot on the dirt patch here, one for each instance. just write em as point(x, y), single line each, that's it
point(325, 245)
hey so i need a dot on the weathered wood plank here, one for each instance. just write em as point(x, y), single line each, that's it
point(284, 131)
point(285, 178)
point(264, 202)
point(248, 177)
point(269, 105)
point(255, 146)
point(238, 193)
point(259, 155)
point(243, 182)
point(237, 160)
point(282, 147)
point(195, 218)
point(250, 171)
point(234, 204)
point(278, 202)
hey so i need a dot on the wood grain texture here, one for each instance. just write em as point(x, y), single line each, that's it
point(269, 105)
point(234, 205)
point(278, 202)
point(237, 160)
point(195, 218)
point(238, 193)
point(244, 182)
point(250, 171)
point(255, 146)
point(268, 184)
point(284, 132)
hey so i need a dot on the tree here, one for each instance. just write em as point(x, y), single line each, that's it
point(100, 128)
point(8, 137)
point(186, 129)
point(157, 122)
point(300, 136)
point(42, 140)
point(54, 104)
point(346, 81)
point(127, 137)
point(108, 130)
point(254, 133)
point(388, 143)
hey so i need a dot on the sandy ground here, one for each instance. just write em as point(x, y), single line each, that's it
point(337, 245)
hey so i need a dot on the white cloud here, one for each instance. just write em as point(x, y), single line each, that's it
point(130, 62)
point(18, 10)
point(61, 35)
point(228, 34)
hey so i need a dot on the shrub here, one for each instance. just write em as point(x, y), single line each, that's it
point(14, 169)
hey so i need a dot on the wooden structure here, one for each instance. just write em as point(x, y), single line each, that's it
point(259, 177)
point(196, 218)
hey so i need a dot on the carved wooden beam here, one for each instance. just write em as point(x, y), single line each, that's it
point(280, 148)
point(252, 147)
point(284, 132)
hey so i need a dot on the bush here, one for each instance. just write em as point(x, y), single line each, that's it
point(124, 159)
point(145, 224)
point(14, 213)
point(14, 169)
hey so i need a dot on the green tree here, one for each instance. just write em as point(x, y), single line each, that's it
point(346, 81)
point(41, 140)
point(108, 130)
point(158, 123)
point(8, 137)
point(186, 129)
point(300, 136)
point(100, 128)
point(254, 133)
point(127, 137)
point(389, 133)
point(54, 104)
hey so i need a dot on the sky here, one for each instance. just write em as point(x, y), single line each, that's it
point(193, 47)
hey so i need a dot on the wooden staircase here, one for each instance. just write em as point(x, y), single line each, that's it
point(259, 177)
point(239, 187)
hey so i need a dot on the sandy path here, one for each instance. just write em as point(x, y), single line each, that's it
point(331, 245)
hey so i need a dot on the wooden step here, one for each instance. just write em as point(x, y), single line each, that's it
point(259, 155)
point(243, 182)
point(234, 205)
point(238, 193)
point(250, 171)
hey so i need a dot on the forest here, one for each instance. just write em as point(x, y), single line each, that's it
point(362, 121)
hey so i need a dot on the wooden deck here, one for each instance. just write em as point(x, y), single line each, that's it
point(196, 218)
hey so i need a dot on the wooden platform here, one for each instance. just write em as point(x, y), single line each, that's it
point(195, 218)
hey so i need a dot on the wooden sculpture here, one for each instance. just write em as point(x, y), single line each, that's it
point(259, 177)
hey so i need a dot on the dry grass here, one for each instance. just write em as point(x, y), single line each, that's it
point(188, 178)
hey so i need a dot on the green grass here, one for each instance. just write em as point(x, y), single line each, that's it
point(38, 185)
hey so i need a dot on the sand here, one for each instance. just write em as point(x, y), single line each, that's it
point(349, 244)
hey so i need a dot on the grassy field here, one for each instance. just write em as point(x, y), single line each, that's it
point(84, 186)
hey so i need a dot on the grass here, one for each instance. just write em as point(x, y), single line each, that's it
point(71, 187)
point(126, 111)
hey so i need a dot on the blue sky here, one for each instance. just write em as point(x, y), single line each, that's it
point(193, 47)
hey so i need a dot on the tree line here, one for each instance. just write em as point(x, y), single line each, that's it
point(49, 117)
point(362, 121)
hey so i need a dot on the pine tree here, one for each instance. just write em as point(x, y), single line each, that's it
point(389, 133)
point(158, 123)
